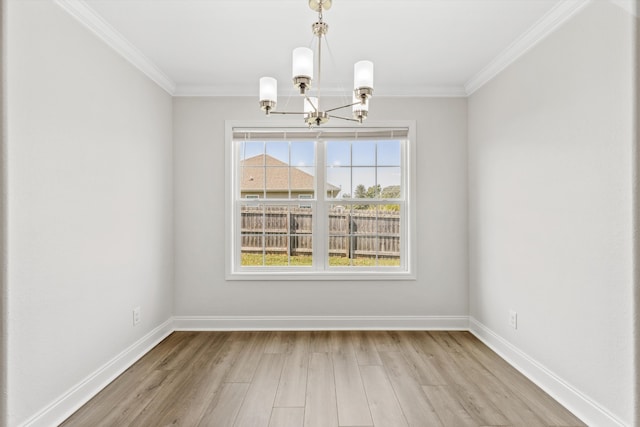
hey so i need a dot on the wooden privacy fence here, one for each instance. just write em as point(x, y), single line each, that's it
point(352, 233)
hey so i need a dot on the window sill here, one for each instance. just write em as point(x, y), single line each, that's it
point(321, 276)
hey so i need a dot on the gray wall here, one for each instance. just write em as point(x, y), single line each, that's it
point(3, 216)
point(551, 204)
point(636, 234)
point(199, 172)
point(89, 204)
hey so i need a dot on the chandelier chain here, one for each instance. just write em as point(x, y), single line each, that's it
point(319, 56)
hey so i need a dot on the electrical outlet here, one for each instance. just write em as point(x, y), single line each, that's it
point(513, 319)
point(136, 315)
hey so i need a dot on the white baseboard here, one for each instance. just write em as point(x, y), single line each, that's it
point(578, 403)
point(275, 323)
point(581, 405)
point(60, 409)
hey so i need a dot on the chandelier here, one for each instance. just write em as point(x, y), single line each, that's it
point(302, 72)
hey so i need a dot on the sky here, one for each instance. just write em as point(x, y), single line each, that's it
point(349, 163)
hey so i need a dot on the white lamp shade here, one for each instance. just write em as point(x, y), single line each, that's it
point(360, 106)
point(268, 89)
point(302, 62)
point(308, 108)
point(363, 74)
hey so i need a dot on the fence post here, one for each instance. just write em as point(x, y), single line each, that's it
point(289, 230)
point(350, 237)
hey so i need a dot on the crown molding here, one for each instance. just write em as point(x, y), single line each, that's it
point(424, 92)
point(244, 90)
point(217, 90)
point(96, 24)
point(553, 19)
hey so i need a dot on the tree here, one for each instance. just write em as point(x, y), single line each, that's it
point(373, 192)
point(390, 192)
point(360, 192)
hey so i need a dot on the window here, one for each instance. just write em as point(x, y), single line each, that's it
point(355, 220)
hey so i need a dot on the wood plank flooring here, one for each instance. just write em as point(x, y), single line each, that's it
point(324, 379)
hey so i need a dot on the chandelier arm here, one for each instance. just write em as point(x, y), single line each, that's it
point(344, 118)
point(285, 112)
point(344, 106)
point(315, 108)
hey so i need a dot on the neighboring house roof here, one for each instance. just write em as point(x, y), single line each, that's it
point(253, 174)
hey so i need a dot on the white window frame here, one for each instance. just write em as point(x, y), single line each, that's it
point(318, 271)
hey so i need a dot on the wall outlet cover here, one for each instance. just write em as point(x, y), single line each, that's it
point(513, 319)
point(136, 315)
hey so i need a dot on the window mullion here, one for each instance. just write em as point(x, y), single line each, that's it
point(320, 234)
point(404, 207)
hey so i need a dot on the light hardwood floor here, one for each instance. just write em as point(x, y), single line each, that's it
point(324, 379)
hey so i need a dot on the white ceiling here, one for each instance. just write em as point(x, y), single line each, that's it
point(419, 47)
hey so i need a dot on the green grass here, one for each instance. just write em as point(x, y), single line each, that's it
point(251, 259)
point(275, 260)
point(338, 261)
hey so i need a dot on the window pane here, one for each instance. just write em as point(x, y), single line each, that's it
point(276, 235)
point(301, 221)
point(339, 254)
point(339, 218)
point(252, 243)
point(339, 239)
point(389, 220)
point(277, 153)
point(338, 153)
point(276, 227)
point(364, 183)
point(301, 250)
point(301, 240)
point(363, 219)
point(303, 182)
point(252, 219)
point(252, 238)
point(276, 251)
point(251, 181)
point(252, 252)
point(276, 219)
point(364, 235)
point(389, 153)
point(364, 240)
point(390, 181)
point(250, 149)
point(277, 183)
point(338, 182)
point(364, 153)
point(303, 154)
point(389, 235)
